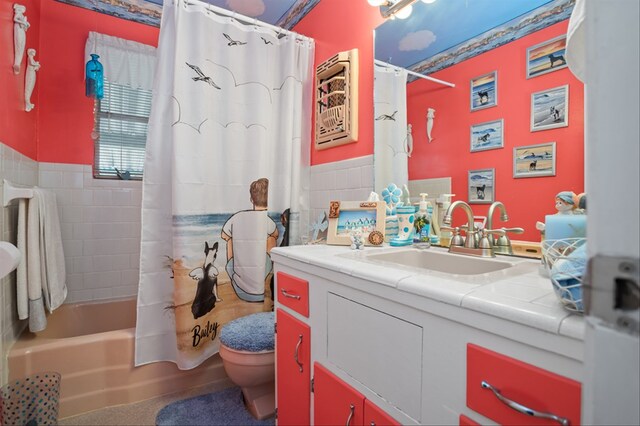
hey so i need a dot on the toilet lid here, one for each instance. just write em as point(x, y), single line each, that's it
point(252, 333)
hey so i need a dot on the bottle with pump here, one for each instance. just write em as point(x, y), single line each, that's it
point(422, 225)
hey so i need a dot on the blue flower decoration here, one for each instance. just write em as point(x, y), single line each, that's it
point(391, 194)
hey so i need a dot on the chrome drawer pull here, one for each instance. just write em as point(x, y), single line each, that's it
point(295, 354)
point(522, 409)
point(351, 413)
point(285, 294)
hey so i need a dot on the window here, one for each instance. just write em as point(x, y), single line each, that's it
point(121, 120)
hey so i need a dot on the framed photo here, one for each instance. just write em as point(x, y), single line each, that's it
point(534, 160)
point(484, 91)
point(550, 109)
point(546, 57)
point(489, 135)
point(482, 186)
point(348, 216)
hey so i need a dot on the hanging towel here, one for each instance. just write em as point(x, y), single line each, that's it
point(21, 271)
point(45, 277)
point(54, 283)
point(36, 314)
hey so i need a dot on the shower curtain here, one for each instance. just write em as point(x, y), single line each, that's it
point(226, 177)
point(391, 138)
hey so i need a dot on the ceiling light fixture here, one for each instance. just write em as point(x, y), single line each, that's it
point(400, 9)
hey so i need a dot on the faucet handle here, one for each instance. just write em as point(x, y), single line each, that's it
point(514, 230)
point(486, 232)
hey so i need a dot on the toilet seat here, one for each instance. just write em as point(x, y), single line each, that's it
point(252, 333)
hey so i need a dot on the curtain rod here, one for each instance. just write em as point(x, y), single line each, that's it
point(245, 19)
point(426, 77)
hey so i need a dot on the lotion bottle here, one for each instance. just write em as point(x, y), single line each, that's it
point(422, 224)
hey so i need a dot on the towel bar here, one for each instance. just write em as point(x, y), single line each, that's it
point(12, 192)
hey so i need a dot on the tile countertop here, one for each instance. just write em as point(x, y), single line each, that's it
point(521, 295)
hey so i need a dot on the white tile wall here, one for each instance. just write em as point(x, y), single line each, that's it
point(348, 180)
point(100, 223)
point(18, 169)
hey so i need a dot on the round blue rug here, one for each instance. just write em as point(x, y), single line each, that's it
point(224, 407)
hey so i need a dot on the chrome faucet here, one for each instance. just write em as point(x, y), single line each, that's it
point(471, 246)
point(501, 244)
point(469, 241)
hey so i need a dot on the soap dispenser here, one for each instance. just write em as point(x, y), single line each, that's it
point(422, 224)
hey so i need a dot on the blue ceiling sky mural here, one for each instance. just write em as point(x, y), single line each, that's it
point(442, 33)
point(282, 13)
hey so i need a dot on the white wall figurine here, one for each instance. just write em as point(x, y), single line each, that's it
point(431, 115)
point(20, 27)
point(30, 78)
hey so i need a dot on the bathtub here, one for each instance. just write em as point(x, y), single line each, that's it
point(92, 346)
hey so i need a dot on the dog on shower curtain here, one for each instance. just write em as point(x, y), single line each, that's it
point(207, 276)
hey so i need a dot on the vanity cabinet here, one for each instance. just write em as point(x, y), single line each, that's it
point(385, 354)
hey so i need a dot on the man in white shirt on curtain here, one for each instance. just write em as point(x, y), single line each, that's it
point(250, 236)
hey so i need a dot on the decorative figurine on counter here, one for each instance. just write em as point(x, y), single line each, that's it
point(357, 240)
point(20, 27)
point(567, 203)
point(30, 78)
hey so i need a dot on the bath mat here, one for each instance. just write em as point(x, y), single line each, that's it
point(224, 407)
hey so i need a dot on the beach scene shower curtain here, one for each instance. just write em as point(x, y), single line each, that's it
point(226, 177)
point(391, 145)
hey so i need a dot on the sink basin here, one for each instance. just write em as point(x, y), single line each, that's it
point(440, 261)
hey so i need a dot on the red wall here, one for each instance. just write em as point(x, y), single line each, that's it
point(338, 25)
point(18, 127)
point(65, 128)
point(527, 199)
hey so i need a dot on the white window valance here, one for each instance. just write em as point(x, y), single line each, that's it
point(125, 62)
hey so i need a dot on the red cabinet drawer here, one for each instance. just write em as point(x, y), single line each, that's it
point(293, 293)
point(374, 416)
point(525, 384)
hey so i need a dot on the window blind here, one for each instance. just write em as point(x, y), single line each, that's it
point(122, 117)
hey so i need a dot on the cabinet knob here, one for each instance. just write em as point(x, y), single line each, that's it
point(522, 409)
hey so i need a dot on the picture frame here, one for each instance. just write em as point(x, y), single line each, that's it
point(484, 91)
point(346, 216)
point(534, 160)
point(481, 184)
point(487, 135)
point(543, 57)
point(550, 108)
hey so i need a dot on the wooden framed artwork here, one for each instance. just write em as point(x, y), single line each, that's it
point(550, 108)
point(482, 186)
point(345, 217)
point(547, 57)
point(489, 135)
point(534, 160)
point(484, 91)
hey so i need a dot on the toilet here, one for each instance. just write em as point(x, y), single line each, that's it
point(247, 349)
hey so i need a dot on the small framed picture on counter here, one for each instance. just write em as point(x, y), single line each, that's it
point(366, 217)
